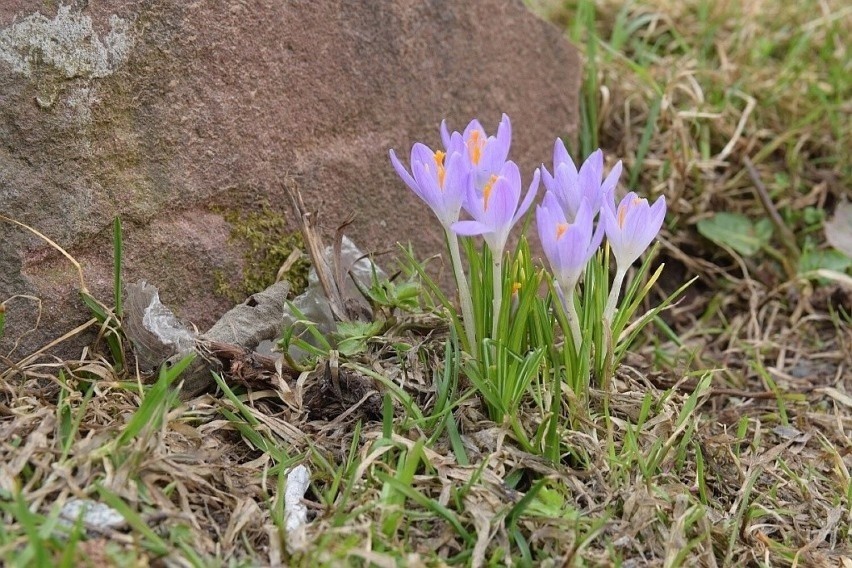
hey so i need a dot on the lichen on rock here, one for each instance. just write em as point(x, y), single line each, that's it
point(67, 42)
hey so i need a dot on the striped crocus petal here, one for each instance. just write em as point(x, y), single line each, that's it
point(631, 226)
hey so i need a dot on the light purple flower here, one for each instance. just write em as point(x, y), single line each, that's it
point(441, 183)
point(570, 185)
point(495, 209)
point(632, 226)
point(568, 245)
point(485, 155)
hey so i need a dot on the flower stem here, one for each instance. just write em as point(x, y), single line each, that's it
point(608, 344)
point(609, 312)
point(497, 302)
point(464, 292)
point(573, 318)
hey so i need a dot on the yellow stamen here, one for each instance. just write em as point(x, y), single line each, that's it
point(516, 287)
point(486, 191)
point(474, 146)
point(560, 229)
point(439, 163)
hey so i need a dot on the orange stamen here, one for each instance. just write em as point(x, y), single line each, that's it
point(622, 213)
point(474, 146)
point(561, 228)
point(439, 163)
point(486, 191)
point(622, 210)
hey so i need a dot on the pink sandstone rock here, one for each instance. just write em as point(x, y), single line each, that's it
point(167, 112)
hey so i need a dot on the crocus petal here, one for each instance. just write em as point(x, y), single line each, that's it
point(429, 189)
point(455, 145)
point(504, 139)
point(658, 213)
point(403, 173)
point(568, 246)
point(567, 189)
point(572, 184)
point(423, 154)
point(471, 126)
point(547, 179)
point(501, 205)
point(612, 179)
point(531, 193)
point(597, 239)
point(613, 234)
point(470, 228)
point(632, 226)
point(512, 173)
point(608, 200)
point(445, 135)
point(560, 154)
point(552, 204)
point(473, 202)
point(546, 224)
point(456, 179)
point(590, 176)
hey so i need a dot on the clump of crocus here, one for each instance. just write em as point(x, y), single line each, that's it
point(495, 210)
point(565, 219)
point(475, 190)
point(630, 228)
point(478, 177)
point(568, 246)
point(473, 173)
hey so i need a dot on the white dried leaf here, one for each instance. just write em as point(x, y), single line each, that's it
point(838, 230)
point(96, 515)
point(297, 484)
point(295, 512)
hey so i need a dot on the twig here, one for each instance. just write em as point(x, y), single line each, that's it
point(337, 258)
point(788, 239)
point(315, 250)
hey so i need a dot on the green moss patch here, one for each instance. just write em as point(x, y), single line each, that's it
point(268, 245)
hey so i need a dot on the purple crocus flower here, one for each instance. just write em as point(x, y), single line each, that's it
point(568, 245)
point(440, 182)
point(485, 155)
point(443, 183)
point(495, 209)
point(632, 226)
point(571, 186)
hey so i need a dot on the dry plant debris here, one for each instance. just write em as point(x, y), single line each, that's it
point(725, 440)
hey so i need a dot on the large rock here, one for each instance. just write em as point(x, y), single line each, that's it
point(168, 113)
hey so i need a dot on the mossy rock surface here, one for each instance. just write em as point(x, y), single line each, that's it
point(168, 113)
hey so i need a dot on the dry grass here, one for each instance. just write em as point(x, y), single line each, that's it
point(725, 441)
